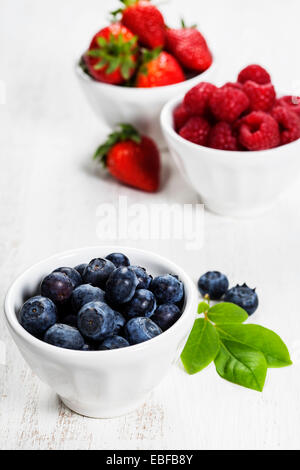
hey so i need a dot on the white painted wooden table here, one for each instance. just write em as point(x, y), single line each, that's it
point(50, 191)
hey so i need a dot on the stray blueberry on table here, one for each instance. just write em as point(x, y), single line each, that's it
point(118, 259)
point(167, 289)
point(166, 315)
point(72, 274)
point(80, 268)
point(64, 336)
point(96, 321)
point(214, 284)
point(84, 294)
point(142, 304)
point(140, 329)
point(37, 315)
point(113, 342)
point(243, 296)
point(121, 286)
point(57, 286)
point(97, 272)
point(143, 277)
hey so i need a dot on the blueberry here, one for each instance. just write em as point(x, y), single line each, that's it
point(119, 322)
point(166, 315)
point(57, 287)
point(167, 289)
point(140, 329)
point(118, 259)
point(121, 285)
point(142, 304)
point(143, 277)
point(86, 347)
point(97, 272)
point(113, 342)
point(213, 283)
point(72, 274)
point(244, 297)
point(80, 268)
point(96, 321)
point(64, 336)
point(84, 294)
point(37, 315)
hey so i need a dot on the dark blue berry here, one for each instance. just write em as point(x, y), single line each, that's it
point(118, 259)
point(64, 336)
point(114, 342)
point(97, 272)
point(72, 274)
point(80, 268)
point(86, 347)
point(37, 315)
point(143, 277)
point(213, 283)
point(57, 287)
point(140, 329)
point(119, 322)
point(244, 297)
point(167, 289)
point(121, 286)
point(84, 294)
point(96, 321)
point(142, 304)
point(166, 315)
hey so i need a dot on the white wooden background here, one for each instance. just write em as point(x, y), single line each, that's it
point(50, 191)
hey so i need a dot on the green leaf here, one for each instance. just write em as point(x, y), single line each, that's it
point(201, 348)
point(241, 365)
point(226, 312)
point(261, 339)
point(203, 307)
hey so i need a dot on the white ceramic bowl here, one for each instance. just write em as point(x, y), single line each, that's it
point(231, 183)
point(140, 107)
point(100, 384)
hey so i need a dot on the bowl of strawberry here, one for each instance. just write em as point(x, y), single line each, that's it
point(134, 65)
point(238, 145)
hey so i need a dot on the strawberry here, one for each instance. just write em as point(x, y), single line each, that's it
point(131, 158)
point(112, 55)
point(144, 20)
point(158, 69)
point(189, 47)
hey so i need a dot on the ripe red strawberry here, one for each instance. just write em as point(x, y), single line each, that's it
point(196, 130)
point(144, 20)
point(180, 117)
point(228, 103)
point(158, 69)
point(292, 102)
point(262, 97)
point(222, 137)
point(196, 100)
point(259, 131)
point(131, 158)
point(289, 124)
point(189, 47)
point(255, 73)
point(112, 55)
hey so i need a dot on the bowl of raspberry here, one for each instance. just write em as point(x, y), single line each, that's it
point(238, 145)
point(133, 66)
point(101, 325)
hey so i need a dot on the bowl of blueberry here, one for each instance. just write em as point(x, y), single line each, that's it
point(101, 326)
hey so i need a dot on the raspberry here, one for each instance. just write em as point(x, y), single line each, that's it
point(196, 130)
point(196, 100)
point(255, 73)
point(262, 97)
point(221, 137)
point(289, 124)
point(259, 131)
point(228, 103)
point(180, 117)
point(237, 85)
point(292, 102)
